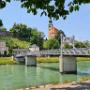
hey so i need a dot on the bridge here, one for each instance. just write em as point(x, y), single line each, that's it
point(68, 63)
point(76, 52)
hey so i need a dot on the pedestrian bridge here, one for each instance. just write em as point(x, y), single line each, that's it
point(67, 57)
point(77, 52)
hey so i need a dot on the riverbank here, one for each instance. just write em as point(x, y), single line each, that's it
point(56, 59)
point(48, 59)
point(83, 59)
point(7, 60)
point(84, 85)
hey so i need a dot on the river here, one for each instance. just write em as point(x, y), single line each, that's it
point(20, 76)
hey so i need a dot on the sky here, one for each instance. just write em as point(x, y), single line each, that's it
point(77, 23)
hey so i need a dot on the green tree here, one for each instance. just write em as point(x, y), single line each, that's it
point(2, 4)
point(10, 51)
point(50, 8)
point(87, 43)
point(0, 54)
point(53, 8)
point(1, 24)
point(58, 36)
point(51, 44)
point(68, 46)
point(37, 38)
point(82, 44)
point(4, 29)
point(5, 53)
point(21, 31)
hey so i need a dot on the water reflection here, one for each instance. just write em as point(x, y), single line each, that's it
point(20, 76)
point(53, 76)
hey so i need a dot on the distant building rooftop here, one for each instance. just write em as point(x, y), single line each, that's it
point(33, 46)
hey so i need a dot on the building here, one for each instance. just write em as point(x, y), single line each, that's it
point(34, 47)
point(52, 31)
point(3, 48)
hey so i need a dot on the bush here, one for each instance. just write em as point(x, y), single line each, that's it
point(7, 60)
point(5, 53)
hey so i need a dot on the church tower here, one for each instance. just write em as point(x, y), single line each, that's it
point(52, 31)
point(50, 23)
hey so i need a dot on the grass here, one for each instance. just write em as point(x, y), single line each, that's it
point(14, 42)
point(83, 59)
point(56, 59)
point(47, 59)
point(7, 60)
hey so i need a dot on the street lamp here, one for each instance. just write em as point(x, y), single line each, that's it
point(61, 54)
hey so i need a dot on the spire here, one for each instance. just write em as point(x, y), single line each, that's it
point(50, 23)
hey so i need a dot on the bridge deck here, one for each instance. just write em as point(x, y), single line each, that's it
point(77, 52)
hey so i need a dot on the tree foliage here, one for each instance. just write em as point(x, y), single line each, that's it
point(4, 29)
point(23, 32)
point(82, 44)
point(51, 44)
point(58, 36)
point(51, 8)
point(37, 38)
point(1, 24)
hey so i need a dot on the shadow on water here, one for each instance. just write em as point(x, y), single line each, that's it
point(83, 73)
point(50, 68)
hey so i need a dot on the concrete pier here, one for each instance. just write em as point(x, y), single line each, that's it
point(20, 59)
point(30, 60)
point(68, 65)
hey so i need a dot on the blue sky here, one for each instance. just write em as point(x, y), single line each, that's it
point(77, 23)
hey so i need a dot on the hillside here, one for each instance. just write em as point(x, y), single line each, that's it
point(14, 42)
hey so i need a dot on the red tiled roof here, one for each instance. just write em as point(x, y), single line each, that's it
point(53, 30)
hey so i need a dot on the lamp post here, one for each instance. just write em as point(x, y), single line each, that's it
point(61, 48)
point(61, 54)
point(73, 41)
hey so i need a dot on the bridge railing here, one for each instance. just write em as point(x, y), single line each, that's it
point(75, 51)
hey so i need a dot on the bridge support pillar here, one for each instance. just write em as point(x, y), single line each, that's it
point(20, 59)
point(30, 61)
point(68, 65)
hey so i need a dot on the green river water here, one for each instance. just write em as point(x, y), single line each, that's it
point(20, 76)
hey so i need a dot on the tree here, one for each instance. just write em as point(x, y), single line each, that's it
point(87, 43)
point(1, 24)
point(37, 38)
point(82, 44)
point(51, 8)
point(4, 29)
point(58, 36)
point(21, 31)
point(5, 53)
point(2, 4)
point(68, 46)
point(51, 44)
